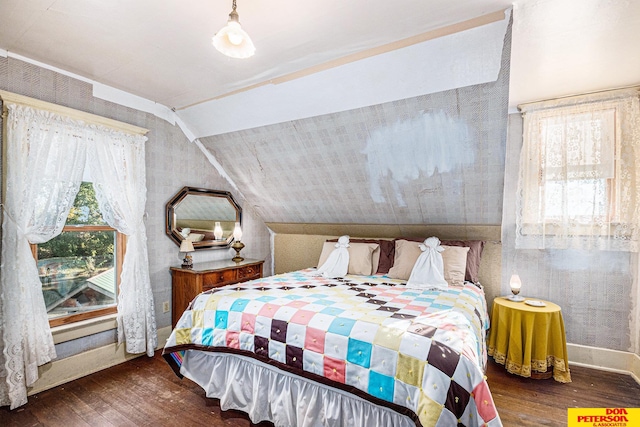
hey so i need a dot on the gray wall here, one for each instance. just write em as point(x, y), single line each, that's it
point(592, 287)
point(171, 161)
point(431, 159)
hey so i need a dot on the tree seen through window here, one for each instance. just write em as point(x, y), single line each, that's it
point(78, 268)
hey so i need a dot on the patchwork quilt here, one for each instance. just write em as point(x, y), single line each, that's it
point(419, 351)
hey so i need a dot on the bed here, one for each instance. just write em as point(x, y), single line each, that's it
point(299, 349)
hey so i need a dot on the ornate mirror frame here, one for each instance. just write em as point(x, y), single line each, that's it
point(193, 213)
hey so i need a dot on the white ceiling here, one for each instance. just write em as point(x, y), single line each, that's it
point(161, 50)
point(568, 47)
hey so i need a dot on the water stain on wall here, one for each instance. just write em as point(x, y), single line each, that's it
point(416, 148)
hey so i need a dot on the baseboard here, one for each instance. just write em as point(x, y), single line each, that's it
point(635, 368)
point(71, 368)
point(605, 359)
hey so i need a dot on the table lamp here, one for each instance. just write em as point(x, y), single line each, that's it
point(237, 244)
point(217, 231)
point(187, 247)
point(515, 283)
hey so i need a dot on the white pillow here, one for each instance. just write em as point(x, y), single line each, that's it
point(360, 257)
point(195, 237)
point(407, 253)
point(428, 271)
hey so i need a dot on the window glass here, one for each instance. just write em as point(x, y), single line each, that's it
point(78, 268)
point(578, 185)
point(580, 199)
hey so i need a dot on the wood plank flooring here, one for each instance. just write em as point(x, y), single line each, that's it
point(145, 392)
point(524, 402)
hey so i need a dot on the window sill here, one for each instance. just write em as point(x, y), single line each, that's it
point(83, 328)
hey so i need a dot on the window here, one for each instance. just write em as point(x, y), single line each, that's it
point(577, 159)
point(47, 147)
point(578, 186)
point(80, 268)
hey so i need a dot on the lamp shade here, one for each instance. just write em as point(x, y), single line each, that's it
point(217, 231)
point(186, 246)
point(515, 283)
point(232, 40)
point(237, 232)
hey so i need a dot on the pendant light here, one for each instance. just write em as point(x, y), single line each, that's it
point(232, 40)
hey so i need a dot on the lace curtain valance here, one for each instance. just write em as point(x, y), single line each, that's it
point(46, 153)
point(579, 182)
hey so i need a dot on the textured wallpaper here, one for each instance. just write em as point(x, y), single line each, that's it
point(593, 288)
point(434, 159)
point(172, 162)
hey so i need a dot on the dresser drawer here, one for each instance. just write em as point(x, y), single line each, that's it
point(188, 283)
point(218, 278)
point(249, 273)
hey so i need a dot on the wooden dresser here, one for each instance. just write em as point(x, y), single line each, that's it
point(187, 283)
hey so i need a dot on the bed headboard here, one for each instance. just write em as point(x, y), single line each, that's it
point(298, 246)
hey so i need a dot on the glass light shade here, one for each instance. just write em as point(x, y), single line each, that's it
point(233, 41)
point(237, 232)
point(217, 231)
point(186, 246)
point(515, 283)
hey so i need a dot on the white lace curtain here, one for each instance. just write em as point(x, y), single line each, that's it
point(116, 161)
point(46, 154)
point(579, 183)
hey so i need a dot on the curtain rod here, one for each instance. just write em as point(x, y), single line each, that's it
point(617, 92)
point(14, 98)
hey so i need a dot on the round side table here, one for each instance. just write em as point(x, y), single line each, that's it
point(529, 340)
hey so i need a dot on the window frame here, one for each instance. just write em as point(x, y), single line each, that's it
point(120, 249)
point(612, 184)
point(616, 230)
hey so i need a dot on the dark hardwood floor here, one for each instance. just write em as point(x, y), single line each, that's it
point(145, 392)
point(524, 402)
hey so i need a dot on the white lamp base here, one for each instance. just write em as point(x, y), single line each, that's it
point(515, 298)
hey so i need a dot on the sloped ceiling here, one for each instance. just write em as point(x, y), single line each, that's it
point(432, 159)
point(161, 50)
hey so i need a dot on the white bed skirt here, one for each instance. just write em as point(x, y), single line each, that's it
point(267, 393)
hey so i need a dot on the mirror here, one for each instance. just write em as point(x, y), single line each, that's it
point(194, 214)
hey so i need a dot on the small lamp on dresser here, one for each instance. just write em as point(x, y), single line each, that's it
point(237, 244)
point(187, 247)
point(217, 231)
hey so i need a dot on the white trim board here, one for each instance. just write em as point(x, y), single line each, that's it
point(89, 362)
point(605, 359)
point(83, 328)
point(469, 57)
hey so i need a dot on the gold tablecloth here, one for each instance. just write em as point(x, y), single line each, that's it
point(526, 338)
